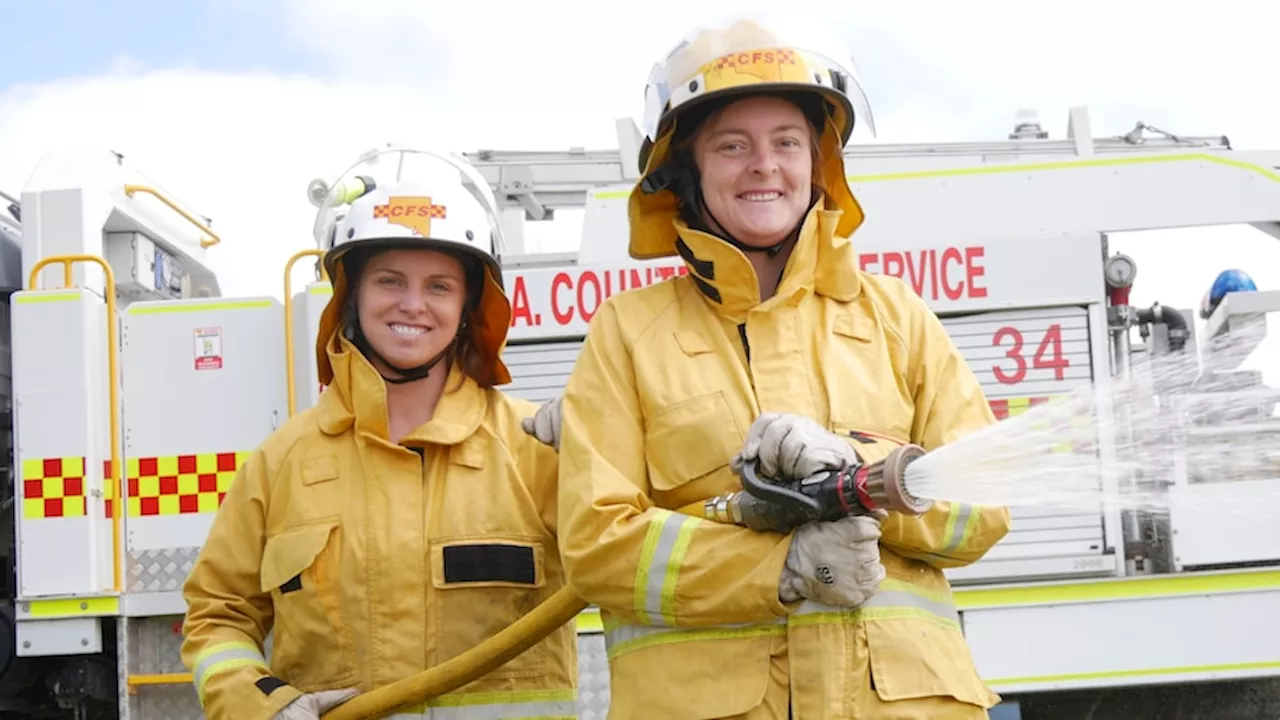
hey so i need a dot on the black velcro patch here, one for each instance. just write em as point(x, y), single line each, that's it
point(489, 563)
point(293, 585)
point(270, 684)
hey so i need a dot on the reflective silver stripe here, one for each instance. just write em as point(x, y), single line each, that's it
point(222, 657)
point(894, 599)
point(660, 559)
point(527, 705)
point(957, 528)
point(893, 596)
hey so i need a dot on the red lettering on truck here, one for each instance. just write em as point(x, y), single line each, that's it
point(952, 273)
point(577, 295)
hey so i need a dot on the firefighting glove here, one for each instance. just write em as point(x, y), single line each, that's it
point(312, 705)
point(792, 447)
point(836, 563)
point(545, 424)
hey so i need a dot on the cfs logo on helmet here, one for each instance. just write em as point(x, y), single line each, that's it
point(410, 212)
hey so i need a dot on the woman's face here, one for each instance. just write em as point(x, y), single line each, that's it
point(755, 158)
point(410, 304)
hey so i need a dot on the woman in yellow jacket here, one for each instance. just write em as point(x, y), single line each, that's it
point(773, 348)
point(406, 517)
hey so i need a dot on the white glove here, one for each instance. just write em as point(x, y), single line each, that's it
point(792, 447)
point(835, 563)
point(312, 705)
point(545, 424)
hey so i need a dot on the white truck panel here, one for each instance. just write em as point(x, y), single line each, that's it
point(62, 446)
point(205, 387)
point(1133, 632)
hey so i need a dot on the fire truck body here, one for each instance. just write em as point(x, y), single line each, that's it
point(1005, 240)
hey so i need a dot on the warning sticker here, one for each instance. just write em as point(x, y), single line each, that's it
point(208, 348)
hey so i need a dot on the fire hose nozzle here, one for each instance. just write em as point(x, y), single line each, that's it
point(858, 489)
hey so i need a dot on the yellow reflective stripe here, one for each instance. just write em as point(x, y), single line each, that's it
point(622, 639)
point(1126, 589)
point(221, 658)
point(964, 516)
point(71, 607)
point(589, 620)
point(518, 705)
point(1154, 672)
point(197, 307)
point(47, 296)
point(895, 599)
point(665, 544)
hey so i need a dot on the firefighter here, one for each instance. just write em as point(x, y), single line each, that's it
point(775, 348)
point(406, 517)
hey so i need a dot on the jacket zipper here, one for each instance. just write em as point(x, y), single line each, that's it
point(746, 345)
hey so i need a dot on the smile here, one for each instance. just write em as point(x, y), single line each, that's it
point(760, 195)
point(408, 330)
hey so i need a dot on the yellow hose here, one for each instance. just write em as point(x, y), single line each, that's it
point(480, 660)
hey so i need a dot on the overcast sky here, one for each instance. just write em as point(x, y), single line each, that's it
point(235, 105)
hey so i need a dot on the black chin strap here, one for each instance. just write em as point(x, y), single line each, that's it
point(355, 334)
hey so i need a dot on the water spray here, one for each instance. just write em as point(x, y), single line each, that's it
point(857, 489)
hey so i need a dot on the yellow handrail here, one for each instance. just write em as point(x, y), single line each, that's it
point(208, 242)
point(135, 681)
point(113, 398)
point(288, 320)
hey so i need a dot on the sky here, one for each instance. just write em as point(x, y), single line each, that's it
point(235, 105)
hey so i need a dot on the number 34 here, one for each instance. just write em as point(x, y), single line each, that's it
point(1050, 345)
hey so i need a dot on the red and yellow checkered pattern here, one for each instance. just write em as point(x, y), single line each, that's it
point(1013, 407)
point(180, 484)
point(54, 488)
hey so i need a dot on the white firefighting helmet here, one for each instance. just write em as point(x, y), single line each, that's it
point(399, 197)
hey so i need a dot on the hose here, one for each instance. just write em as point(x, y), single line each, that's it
point(480, 660)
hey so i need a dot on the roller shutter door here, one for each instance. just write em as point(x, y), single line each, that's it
point(1023, 358)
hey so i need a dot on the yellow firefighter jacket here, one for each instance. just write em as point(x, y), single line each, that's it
point(372, 562)
point(669, 380)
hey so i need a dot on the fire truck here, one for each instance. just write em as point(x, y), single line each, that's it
point(135, 390)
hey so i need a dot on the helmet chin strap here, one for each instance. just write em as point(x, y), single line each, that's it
point(355, 334)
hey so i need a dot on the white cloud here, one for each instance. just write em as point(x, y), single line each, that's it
point(241, 148)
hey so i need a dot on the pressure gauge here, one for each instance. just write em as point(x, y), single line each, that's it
point(1120, 270)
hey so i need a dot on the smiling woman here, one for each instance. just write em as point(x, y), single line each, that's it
point(774, 349)
point(406, 517)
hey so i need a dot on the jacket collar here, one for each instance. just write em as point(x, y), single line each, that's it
point(821, 263)
point(358, 398)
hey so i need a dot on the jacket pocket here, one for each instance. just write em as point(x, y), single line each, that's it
point(689, 440)
point(701, 679)
point(482, 584)
point(919, 658)
point(310, 640)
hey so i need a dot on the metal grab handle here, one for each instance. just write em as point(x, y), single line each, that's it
point(208, 242)
point(288, 320)
point(113, 397)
